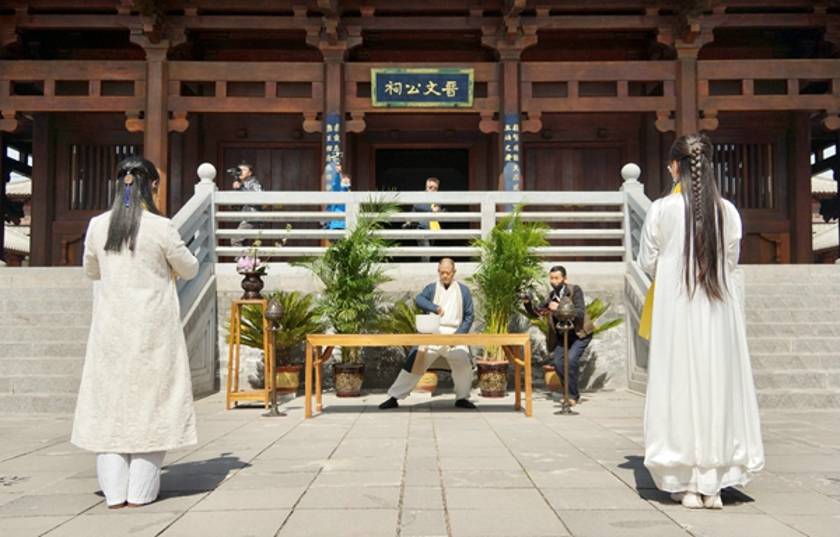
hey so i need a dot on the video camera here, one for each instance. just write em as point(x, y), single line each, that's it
point(234, 172)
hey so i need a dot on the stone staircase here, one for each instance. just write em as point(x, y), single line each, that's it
point(44, 323)
point(793, 326)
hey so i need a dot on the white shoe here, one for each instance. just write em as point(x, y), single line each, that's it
point(692, 500)
point(713, 502)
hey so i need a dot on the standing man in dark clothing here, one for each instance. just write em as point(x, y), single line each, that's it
point(245, 181)
point(579, 337)
point(432, 185)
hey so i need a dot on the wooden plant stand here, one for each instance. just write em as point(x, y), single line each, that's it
point(233, 393)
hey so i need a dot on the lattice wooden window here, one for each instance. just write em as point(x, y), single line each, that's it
point(746, 174)
point(92, 173)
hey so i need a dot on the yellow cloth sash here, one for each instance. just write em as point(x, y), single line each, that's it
point(646, 319)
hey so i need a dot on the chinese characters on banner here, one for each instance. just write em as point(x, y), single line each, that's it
point(332, 148)
point(510, 140)
point(444, 87)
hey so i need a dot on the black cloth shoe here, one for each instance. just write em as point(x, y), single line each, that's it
point(389, 403)
point(464, 403)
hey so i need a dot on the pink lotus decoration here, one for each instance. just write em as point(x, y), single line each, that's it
point(250, 263)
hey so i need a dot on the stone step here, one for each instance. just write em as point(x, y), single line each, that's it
point(51, 303)
point(11, 319)
point(37, 403)
point(795, 345)
point(771, 314)
point(798, 379)
point(794, 361)
point(45, 333)
point(814, 329)
point(53, 384)
point(41, 366)
point(787, 398)
point(42, 349)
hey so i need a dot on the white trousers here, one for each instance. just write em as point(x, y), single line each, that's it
point(459, 362)
point(129, 477)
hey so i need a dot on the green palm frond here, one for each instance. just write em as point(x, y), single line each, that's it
point(507, 266)
point(352, 273)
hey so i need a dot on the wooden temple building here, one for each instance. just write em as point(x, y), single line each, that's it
point(569, 90)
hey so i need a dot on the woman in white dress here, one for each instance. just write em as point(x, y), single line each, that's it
point(702, 429)
point(135, 399)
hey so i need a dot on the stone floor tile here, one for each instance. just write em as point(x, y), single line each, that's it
point(479, 463)
point(595, 499)
point(135, 524)
point(422, 498)
point(494, 523)
point(486, 478)
point(343, 522)
point(575, 478)
point(422, 478)
point(257, 479)
point(812, 525)
point(495, 498)
point(240, 523)
point(421, 523)
point(796, 503)
point(351, 498)
point(167, 502)
point(647, 523)
point(50, 504)
point(703, 523)
point(33, 526)
point(255, 499)
point(373, 478)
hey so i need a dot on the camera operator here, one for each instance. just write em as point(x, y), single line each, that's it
point(244, 181)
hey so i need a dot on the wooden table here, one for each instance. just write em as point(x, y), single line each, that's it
point(319, 347)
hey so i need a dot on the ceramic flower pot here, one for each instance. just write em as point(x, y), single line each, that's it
point(348, 379)
point(552, 379)
point(287, 378)
point(492, 378)
point(252, 284)
point(427, 383)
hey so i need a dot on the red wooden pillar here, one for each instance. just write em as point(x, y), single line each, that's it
point(156, 123)
point(687, 110)
point(799, 142)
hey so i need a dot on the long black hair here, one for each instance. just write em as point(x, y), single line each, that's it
point(704, 250)
point(136, 181)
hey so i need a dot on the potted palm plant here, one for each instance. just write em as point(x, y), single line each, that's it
point(300, 318)
point(507, 267)
point(595, 310)
point(352, 303)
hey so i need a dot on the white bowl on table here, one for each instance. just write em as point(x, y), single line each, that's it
point(427, 324)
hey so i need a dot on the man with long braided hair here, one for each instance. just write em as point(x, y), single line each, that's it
point(702, 429)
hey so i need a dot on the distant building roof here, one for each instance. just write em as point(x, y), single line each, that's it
point(19, 190)
point(15, 239)
point(823, 183)
point(825, 237)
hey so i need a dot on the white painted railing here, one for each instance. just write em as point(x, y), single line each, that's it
point(584, 224)
point(197, 296)
point(636, 282)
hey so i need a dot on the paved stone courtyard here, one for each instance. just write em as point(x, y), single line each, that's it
point(425, 469)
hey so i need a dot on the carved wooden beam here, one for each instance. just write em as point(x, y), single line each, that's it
point(133, 121)
point(356, 123)
point(664, 122)
point(179, 122)
point(533, 123)
point(488, 125)
point(709, 121)
point(8, 121)
point(311, 123)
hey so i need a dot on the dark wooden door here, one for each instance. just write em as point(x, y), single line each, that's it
point(568, 167)
point(292, 168)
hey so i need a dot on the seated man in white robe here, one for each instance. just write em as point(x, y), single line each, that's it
point(452, 301)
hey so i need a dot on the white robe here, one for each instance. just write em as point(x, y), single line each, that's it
point(702, 428)
point(136, 390)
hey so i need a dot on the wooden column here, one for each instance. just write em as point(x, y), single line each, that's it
point(511, 176)
point(799, 186)
point(43, 190)
point(156, 123)
point(687, 110)
point(333, 131)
